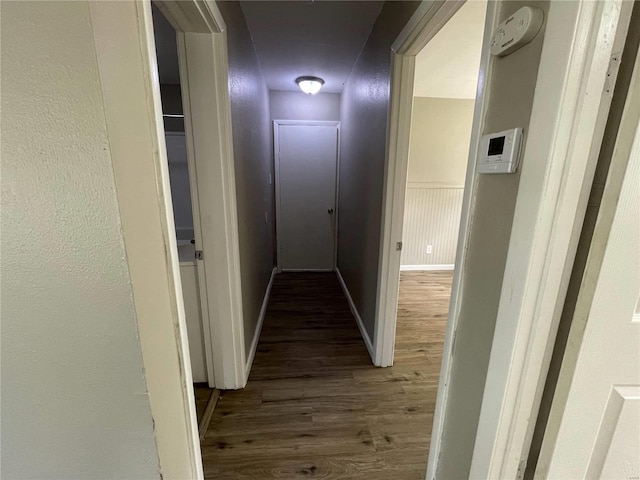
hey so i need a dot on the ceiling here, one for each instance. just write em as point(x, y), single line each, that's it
point(324, 38)
point(447, 67)
point(302, 37)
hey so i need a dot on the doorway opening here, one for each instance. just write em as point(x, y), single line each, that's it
point(185, 201)
point(444, 100)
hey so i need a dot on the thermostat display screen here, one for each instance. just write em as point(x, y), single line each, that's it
point(499, 152)
point(496, 146)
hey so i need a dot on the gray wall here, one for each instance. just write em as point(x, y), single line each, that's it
point(363, 115)
point(511, 89)
point(300, 106)
point(252, 143)
point(74, 397)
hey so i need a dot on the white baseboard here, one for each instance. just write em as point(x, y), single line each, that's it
point(256, 335)
point(297, 270)
point(426, 268)
point(356, 315)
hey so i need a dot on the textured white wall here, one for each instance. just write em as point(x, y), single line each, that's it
point(74, 398)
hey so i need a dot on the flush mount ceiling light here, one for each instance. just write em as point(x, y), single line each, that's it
point(310, 85)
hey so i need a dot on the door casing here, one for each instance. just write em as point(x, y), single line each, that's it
point(610, 261)
point(276, 156)
point(204, 71)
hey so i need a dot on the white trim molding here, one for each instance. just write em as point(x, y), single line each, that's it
point(425, 23)
point(426, 268)
point(126, 59)
point(204, 71)
point(433, 185)
point(131, 95)
point(196, 16)
point(256, 335)
point(583, 40)
point(356, 315)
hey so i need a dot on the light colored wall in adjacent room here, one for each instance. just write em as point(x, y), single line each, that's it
point(252, 143)
point(363, 129)
point(74, 396)
point(488, 242)
point(438, 155)
point(300, 106)
point(439, 145)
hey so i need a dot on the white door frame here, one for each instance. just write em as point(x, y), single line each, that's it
point(204, 71)
point(126, 59)
point(276, 157)
point(548, 190)
point(425, 23)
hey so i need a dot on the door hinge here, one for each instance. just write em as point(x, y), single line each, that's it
point(612, 73)
point(398, 246)
point(521, 469)
point(199, 254)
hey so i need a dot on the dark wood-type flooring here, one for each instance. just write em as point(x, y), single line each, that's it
point(202, 393)
point(315, 407)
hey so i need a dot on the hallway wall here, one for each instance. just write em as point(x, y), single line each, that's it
point(252, 143)
point(75, 402)
point(363, 114)
point(492, 213)
point(300, 106)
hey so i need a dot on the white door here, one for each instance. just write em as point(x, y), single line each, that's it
point(595, 418)
point(306, 167)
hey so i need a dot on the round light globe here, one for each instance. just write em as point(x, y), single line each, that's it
point(310, 85)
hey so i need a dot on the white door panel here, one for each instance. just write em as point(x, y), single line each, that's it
point(598, 426)
point(306, 189)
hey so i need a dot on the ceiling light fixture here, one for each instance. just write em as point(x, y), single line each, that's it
point(310, 85)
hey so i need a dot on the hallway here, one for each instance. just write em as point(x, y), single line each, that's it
point(314, 405)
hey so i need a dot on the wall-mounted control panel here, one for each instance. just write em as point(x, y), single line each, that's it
point(500, 152)
point(516, 31)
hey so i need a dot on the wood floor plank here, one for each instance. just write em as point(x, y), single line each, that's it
point(202, 394)
point(205, 420)
point(315, 406)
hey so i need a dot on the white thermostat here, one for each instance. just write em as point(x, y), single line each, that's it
point(516, 31)
point(499, 152)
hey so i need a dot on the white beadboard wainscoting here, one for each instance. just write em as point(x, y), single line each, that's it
point(431, 217)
